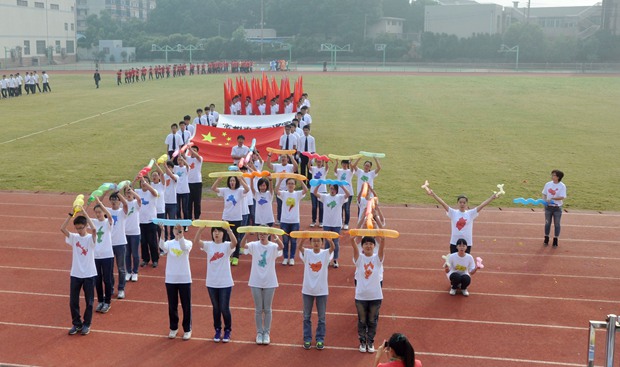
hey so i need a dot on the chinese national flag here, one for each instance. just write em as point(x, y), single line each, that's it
point(216, 143)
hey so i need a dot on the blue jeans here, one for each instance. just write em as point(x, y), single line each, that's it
point(88, 284)
point(263, 299)
point(132, 255)
point(171, 213)
point(288, 228)
point(316, 204)
point(367, 319)
point(555, 213)
point(321, 304)
point(220, 299)
point(336, 240)
point(119, 255)
point(104, 279)
point(346, 209)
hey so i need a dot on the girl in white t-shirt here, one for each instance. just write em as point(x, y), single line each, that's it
point(315, 287)
point(459, 268)
point(234, 201)
point(178, 282)
point(148, 229)
point(554, 194)
point(263, 202)
point(287, 165)
point(263, 280)
point(368, 293)
point(104, 256)
point(132, 233)
point(332, 219)
point(461, 220)
point(365, 175)
point(159, 185)
point(318, 171)
point(289, 221)
point(219, 277)
point(345, 174)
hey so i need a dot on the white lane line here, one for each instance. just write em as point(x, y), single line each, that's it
point(72, 122)
point(351, 286)
point(290, 345)
point(343, 314)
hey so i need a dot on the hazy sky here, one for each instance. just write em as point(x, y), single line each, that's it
point(543, 3)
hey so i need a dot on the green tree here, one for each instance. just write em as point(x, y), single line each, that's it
point(529, 38)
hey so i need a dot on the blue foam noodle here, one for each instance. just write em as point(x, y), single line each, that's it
point(173, 222)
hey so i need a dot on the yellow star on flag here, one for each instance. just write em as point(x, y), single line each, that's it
point(228, 138)
point(208, 137)
point(224, 134)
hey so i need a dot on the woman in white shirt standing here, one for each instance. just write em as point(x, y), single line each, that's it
point(178, 281)
point(263, 281)
point(554, 194)
point(219, 276)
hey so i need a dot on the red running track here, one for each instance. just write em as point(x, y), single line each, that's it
point(529, 306)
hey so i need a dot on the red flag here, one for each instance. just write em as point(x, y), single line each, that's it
point(227, 99)
point(215, 144)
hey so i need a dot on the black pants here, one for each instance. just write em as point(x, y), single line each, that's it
point(148, 242)
point(195, 196)
point(46, 87)
point(303, 167)
point(183, 291)
point(88, 284)
point(460, 280)
point(38, 87)
point(5, 93)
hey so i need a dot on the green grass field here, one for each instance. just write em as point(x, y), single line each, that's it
point(464, 134)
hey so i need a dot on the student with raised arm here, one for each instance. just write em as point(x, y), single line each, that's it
point(83, 271)
point(263, 198)
point(233, 195)
point(263, 280)
point(462, 220)
point(219, 276)
point(290, 216)
point(287, 164)
point(104, 256)
point(148, 229)
point(132, 233)
point(332, 218)
point(365, 175)
point(368, 292)
point(315, 287)
point(119, 240)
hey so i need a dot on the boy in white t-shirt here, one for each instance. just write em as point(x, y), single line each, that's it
point(315, 287)
point(459, 268)
point(368, 293)
point(83, 271)
point(104, 256)
point(119, 240)
point(365, 175)
point(345, 174)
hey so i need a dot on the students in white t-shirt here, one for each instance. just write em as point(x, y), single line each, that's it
point(554, 194)
point(315, 287)
point(104, 256)
point(459, 268)
point(233, 195)
point(219, 277)
point(169, 180)
point(83, 271)
point(345, 174)
point(318, 171)
point(368, 293)
point(263, 202)
point(332, 216)
point(178, 281)
point(366, 174)
point(461, 220)
point(289, 221)
point(287, 165)
point(263, 280)
point(148, 229)
point(119, 240)
point(132, 233)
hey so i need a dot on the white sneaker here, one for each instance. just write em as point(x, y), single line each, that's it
point(370, 348)
point(346, 226)
point(291, 262)
point(121, 294)
point(465, 292)
point(452, 292)
point(362, 347)
point(321, 225)
point(172, 334)
point(266, 339)
point(127, 277)
point(134, 277)
point(187, 335)
point(312, 224)
point(336, 264)
point(285, 262)
point(259, 339)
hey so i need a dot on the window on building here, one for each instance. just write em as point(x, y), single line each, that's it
point(73, 26)
point(40, 47)
point(26, 47)
point(106, 50)
point(22, 3)
point(70, 47)
point(54, 7)
point(39, 5)
point(57, 47)
point(66, 26)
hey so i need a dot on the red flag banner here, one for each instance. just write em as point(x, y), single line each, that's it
point(215, 144)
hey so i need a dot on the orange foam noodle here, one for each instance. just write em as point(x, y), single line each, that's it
point(289, 175)
point(281, 151)
point(210, 223)
point(314, 234)
point(387, 233)
point(364, 189)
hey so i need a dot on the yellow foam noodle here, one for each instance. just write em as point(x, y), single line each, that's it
point(281, 151)
point(260, 229)
point(210, 223)
point(289, 175)
point(387, 233)
point(344, 157)
point(226, 174)
point(372, 154)
point(314, 234)
point(162, 159)
point(78, 203)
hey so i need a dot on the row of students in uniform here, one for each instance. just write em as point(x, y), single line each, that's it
point(14, 85)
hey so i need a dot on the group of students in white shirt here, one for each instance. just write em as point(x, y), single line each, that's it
point(237, 107)
point(15, 85)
